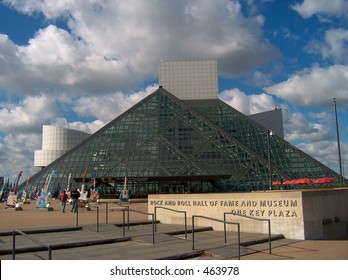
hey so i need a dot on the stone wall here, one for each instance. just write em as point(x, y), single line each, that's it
point(298, 214)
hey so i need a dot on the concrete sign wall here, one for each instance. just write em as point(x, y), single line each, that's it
point(295, 214)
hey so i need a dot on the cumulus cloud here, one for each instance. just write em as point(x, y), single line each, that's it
point(16, 154)
point(28, 115)
point(325, 151)
point(314, 87)
point(88, 127)
point(334, 47)
point(312, 127)
point(110, 41)
point(308, 8)
point(110, 106)
point(248, 104)
point(94, 68)
point(17, 149)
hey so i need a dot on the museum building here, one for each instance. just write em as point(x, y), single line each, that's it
point(183, 138)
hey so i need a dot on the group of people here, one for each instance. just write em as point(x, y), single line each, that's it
point(74, 195)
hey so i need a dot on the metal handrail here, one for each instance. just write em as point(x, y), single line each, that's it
point(257, 219)
point(216, 220)
point(16, 231)
point(107, 211)
point(97, 216)
point(141, 212)
point(169, 209)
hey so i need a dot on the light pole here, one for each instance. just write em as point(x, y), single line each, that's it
point(269, 133)
point(338, 144)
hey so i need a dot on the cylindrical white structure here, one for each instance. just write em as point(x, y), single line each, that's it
point(55, 142)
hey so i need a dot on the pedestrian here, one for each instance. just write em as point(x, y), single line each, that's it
point(63, 197)
point(74, 196)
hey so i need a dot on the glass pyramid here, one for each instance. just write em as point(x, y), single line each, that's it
point(201, 145)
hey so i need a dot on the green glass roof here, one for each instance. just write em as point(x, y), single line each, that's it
point(164, 139)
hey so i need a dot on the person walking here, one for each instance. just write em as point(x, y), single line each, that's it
point(74, 196)
point(63, 197)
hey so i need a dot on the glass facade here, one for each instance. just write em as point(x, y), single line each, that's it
point(164, 144)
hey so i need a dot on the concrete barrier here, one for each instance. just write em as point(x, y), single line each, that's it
point(297, 214)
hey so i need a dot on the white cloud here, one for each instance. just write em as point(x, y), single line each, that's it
point(326, 152)
point(314, 87)
point(248, 104)
point(16, 154)
point(111, 41)
point(50, 8)
point(309, 8)
point(309, 128)
point(88, 127)
point(108, 107)
point(334, 47)
point(113, 47)
point(28, 115)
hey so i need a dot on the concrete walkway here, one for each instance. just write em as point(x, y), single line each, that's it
point(86, 241)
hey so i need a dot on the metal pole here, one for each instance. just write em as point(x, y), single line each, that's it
point(97, 219)
point(338, 145)
point(185, 226)
point(225, 231)
point(193, 232)
point(128, 216)
point(13, 244)
point(124, 226)
point(225, 227)
point(238, 225)
point(156, 219)
point(49, 252)
point(107, 208)
point(269, 158)
point(269, 236)
point(77, 214)
point(153, 229)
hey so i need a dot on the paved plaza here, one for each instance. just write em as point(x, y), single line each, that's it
point(99, 234)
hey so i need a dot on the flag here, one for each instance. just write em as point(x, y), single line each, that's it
point(124, 193)
point(84, 175)
point(49, 180)
point(69, 178)
point(46, 182)
point(94, 180)
point(19, 176)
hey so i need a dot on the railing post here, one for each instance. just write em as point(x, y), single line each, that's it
point(193, 232)
point(49, 252)
point(238, 225)
point(124, 226)
point(106, 213)
point(257, 219)
point(13, 244)
point(14, 233)
point(128, 216)
point(77, 214)
point(165, 208)
point(97, 218)
point(185, 225)
point(225, 232)
point(153, 229)
point(156, 218)
point(269, 236)
point(225, 227)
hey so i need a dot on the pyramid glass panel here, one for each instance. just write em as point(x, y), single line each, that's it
point(203, 145)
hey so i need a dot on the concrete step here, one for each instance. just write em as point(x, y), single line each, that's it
point(137, 244)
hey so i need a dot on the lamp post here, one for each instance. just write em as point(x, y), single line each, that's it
point(338, 144)
point(269, 133)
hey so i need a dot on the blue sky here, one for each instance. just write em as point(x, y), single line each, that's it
point(79, 64)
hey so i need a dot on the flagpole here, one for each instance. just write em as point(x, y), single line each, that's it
point(338, 144)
